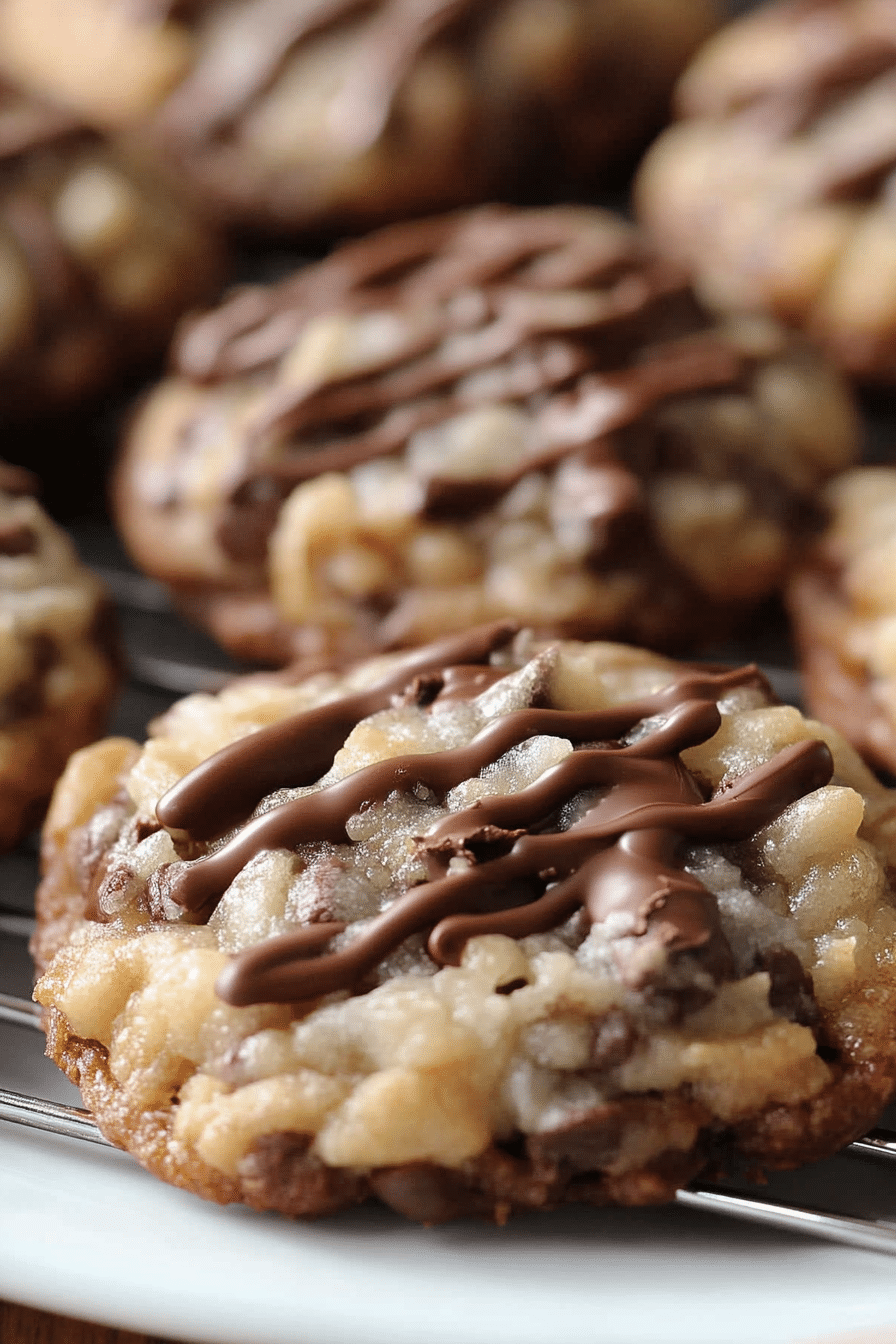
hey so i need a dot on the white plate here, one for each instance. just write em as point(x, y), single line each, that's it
point(86, 1232)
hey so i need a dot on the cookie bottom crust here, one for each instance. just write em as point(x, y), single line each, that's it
point(280, 1173)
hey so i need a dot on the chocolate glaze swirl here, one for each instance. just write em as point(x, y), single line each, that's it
point(521, 873)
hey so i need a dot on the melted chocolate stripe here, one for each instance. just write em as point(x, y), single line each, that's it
point(690, 723)
point(300, 749)
point(690, 920)
point(839, 63)
point(324, 815)
point(601, 405)
point(423, 263)
point(145, 11)
point(220, 90)
point(433, 260)
point(790, 108)
point(394, 45)
point(452, 933)
point(532, 354)
point(389, 437)
point(621, 857)
point(514, 317)
point(756, 799)
point(296, 752)
point(285, 751)
point(488, 320)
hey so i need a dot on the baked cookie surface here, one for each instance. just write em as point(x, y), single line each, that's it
point(492, 925)
point(97, 262)
point(59, 660)
point(495, 413)
point(337, 115)
point(776, 187)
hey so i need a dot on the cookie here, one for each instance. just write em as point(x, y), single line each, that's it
point(487, 926)
point(494, 413)
point(843, 604)
point(59, 662)
point(97, 261)
point(777, 186)
point(339, 116)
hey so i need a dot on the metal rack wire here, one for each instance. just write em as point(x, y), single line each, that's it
point(171, 676)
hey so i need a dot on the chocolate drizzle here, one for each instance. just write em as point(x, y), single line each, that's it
point(494, 261)
point(845, 51)
point(524, 869)
point(220, 89)
point(563, 312)
point(225, 789)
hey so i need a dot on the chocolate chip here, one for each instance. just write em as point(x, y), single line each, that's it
point(791, 992)
point(512, 985)
point(427, 1193)
point(488, 842)
point(588, 1143)
point(279, 1172)
point(421, 691)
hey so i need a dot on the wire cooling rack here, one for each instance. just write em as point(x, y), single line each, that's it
point(167, 660)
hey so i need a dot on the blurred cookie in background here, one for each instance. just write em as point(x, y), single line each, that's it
point(337, 115)
point(498, 413)
point(843, 604)
point(97, 261)
point(778, 186)
point(59, 656)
